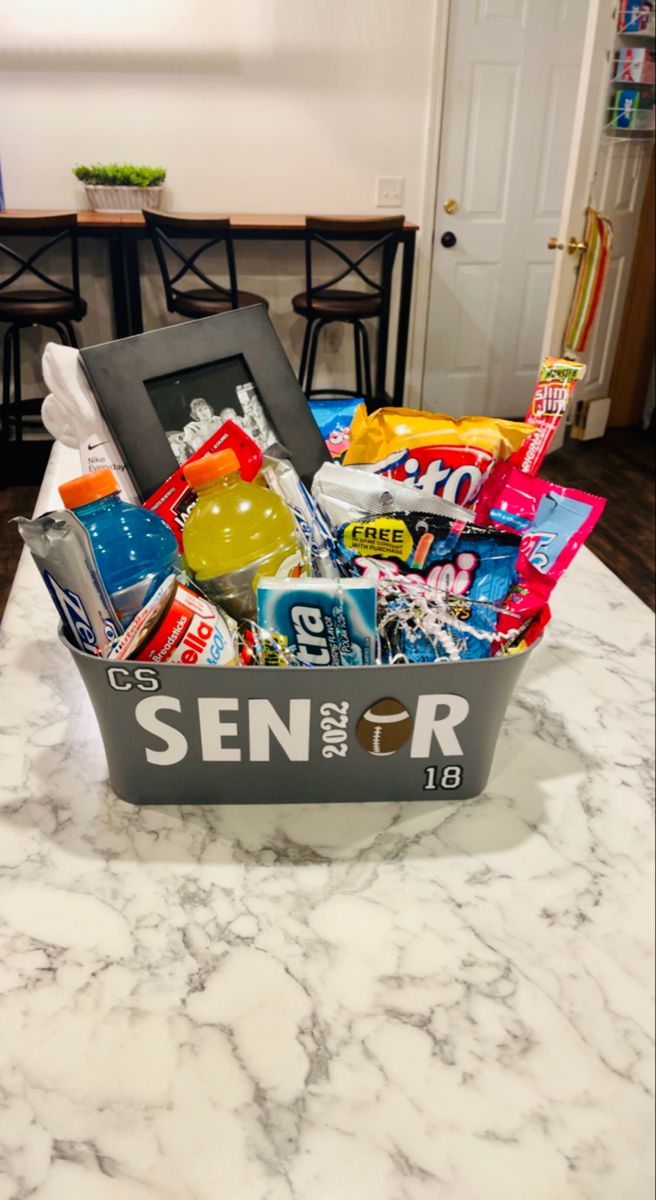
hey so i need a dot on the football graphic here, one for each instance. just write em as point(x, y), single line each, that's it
point(384, 727)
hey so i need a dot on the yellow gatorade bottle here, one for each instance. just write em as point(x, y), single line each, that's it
point(236, 533)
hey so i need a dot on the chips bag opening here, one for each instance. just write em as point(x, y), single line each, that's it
point(442, 455)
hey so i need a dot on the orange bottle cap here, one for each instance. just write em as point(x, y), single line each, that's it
point(87, 488)
point(212, 466)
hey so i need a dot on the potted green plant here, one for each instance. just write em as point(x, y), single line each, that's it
point(121, 187)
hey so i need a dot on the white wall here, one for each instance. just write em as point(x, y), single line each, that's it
point(252, 106)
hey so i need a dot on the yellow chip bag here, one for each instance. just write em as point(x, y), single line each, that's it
point(446, 456)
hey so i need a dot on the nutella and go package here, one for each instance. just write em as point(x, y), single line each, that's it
point(442, 455)
point(174, 500)
point(178, 625)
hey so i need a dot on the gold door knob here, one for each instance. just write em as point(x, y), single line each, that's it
point(554, 244)
point(575, 246)
point(450, 206)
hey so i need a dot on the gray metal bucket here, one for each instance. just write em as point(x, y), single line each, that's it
point(253, 735)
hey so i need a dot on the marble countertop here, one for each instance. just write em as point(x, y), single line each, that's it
point(431, 1001)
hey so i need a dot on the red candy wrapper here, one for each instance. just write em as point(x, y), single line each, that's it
point(526, 610)
point(174, 500)
point(556, 382)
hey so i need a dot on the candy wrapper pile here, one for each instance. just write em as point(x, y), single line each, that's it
point(435, 539)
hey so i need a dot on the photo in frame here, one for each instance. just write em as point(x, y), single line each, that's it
point(164, 392)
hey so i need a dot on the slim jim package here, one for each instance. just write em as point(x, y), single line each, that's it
point(555, 387)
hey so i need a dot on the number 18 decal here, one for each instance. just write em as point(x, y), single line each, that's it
point(450, 778)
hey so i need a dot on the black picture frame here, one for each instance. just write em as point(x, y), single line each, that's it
point(119, 371)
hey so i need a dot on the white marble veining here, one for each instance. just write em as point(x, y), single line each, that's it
point(432, 1001)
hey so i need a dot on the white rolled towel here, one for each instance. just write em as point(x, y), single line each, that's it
point(70, 413)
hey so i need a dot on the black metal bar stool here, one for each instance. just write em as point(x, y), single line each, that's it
point(165, 232)
point(53, 304)
point(324, 303)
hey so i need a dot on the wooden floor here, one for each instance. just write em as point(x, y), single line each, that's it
point(21, 472)
point(619, 466)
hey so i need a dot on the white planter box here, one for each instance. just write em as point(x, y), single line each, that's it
point(103, 198)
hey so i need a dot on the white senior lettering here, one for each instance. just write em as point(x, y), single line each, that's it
point(176, 747)
point(213, 730)
point(427, 724)
point(146, 679)
point(263, 720)
point(119, 679)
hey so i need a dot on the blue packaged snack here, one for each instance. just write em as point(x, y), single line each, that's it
point(323, 622)
point(557, 523)
point(471, 565)
point(334, 420)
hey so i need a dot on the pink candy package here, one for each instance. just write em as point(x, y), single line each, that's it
point(553, 522)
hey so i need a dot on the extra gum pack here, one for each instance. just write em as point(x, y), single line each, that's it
point(323, 622)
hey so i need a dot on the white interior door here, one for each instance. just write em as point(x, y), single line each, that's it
point(617, 191)
point(610, 174)
point(512, 78)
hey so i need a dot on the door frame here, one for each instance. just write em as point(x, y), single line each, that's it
point(428, 191)
point(634, 352)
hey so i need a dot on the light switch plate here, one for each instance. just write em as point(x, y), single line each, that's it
point(389, 191)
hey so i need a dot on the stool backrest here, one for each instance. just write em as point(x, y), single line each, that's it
point(167, 231)
point(381, 235)
point(52, 231)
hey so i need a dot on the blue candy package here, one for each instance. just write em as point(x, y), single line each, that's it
point(334, 419)
point(557, 522)
point(473, 565)
point(322, 622)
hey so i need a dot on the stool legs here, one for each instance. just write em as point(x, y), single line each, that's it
point(363, 382)
point(6, 381)
point(11, 369)
point(313, 355)
point(18, 395)
point(64, 330)
point(368, 389)
point(71, 335)
point(304, 352)
point(358, 358)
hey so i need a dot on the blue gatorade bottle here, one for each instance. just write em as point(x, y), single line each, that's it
point(134, 548)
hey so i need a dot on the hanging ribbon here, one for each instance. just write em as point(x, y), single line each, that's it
point(590, 281)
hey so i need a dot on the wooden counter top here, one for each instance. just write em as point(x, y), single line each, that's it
point(293, 222)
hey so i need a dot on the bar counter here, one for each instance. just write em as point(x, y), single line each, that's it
point(429, 1001)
